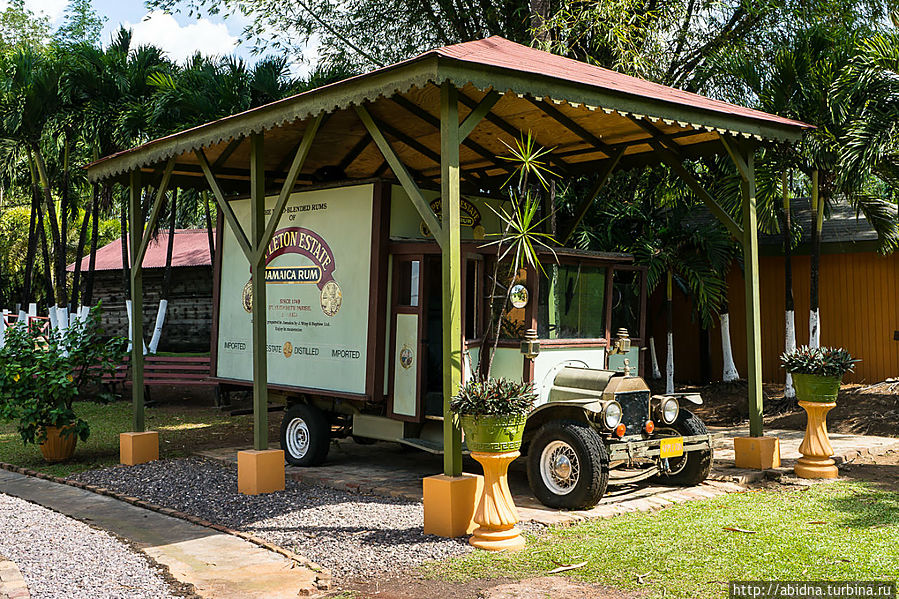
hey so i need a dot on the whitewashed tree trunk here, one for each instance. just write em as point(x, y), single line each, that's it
point(160, 320)
point(54, 321)
point(23, 316)
point(790, 345)
point(669, 365)
point(656, 373)
point(814, 329)
point(3, 328)
point(729, 373)
point(130, 327)
point(62, 320)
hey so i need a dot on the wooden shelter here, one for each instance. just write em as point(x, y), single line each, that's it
point(439, 120)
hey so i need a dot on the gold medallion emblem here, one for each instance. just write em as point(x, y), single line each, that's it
point(287, 349)
point(406, 357)
point(247, 296)
point(331, 298)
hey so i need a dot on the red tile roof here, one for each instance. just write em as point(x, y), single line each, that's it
point(499, 52)
point(191, 248)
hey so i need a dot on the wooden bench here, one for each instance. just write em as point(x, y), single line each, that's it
point(163, 370)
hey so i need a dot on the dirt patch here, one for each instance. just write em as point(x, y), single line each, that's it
point(861, 409)
point(882, 470)
point(529, 588)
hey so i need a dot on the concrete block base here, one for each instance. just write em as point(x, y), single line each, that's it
point(138, 448)
point(757, 453)
point(450, 503)
point(260, 471)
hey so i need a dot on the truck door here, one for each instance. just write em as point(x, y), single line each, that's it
point(408, 354)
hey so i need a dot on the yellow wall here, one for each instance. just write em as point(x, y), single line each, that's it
point(859, 304)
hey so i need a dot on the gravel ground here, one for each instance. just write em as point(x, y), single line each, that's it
point(355, 536)
point(64, 558)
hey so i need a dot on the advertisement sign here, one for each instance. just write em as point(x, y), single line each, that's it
point(317, 286)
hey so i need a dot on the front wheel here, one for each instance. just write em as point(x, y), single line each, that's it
point(305, 435)
point(568, 465)
point(693, 467)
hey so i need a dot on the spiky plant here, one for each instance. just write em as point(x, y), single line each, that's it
point(820, 361)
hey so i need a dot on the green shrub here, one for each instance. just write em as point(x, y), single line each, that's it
point(822, 361)
point(494, 397)
point(43, 373)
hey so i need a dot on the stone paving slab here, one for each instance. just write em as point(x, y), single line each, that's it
point(12, 583)
point(393, 470)
point(846, 447)
point(218, 565)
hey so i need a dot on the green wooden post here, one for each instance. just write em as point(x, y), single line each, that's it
point(260, 311)
point(136, 231)
point(452, 274)
point(753, 313)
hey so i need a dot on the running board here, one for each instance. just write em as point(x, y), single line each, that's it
point(429, 446)
point(245, 411)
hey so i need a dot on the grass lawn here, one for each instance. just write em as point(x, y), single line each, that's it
point(182, 429)
point(834, 531)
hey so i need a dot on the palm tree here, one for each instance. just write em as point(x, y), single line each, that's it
point(29, 98)
point(692, 259)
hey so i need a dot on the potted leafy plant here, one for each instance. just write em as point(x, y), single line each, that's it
point(43, 373)
point(493, 413)
point(817, 372)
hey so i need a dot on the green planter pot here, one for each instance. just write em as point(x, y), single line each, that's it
point(496, 434)
point(813, 387)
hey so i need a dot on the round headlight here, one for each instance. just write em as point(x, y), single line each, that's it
point(611, 416)
point(670, 410)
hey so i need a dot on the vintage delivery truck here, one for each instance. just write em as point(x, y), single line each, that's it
point(354, 348)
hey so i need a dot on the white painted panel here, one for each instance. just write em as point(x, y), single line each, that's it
point(405, 371)
point(318, 287)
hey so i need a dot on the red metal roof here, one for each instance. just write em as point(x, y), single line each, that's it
point(495, 52)
point(191, 248)
point(499, 52)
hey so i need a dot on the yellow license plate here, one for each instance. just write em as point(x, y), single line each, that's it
point(672, 448)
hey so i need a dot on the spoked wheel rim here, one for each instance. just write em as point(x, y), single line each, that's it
point(297, 437)
point(560, 468)
point(675, 465)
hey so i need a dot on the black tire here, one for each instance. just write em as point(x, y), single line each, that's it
point(693, 467)
point(310, 435)
point(592, 474)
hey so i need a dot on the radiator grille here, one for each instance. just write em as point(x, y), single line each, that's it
point(634, 410)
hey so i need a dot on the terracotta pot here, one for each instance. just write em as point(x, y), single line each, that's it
point(58, 447)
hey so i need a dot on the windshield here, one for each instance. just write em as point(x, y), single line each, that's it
point(572, 302)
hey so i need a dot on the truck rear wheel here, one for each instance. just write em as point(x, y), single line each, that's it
point(693, 467)
point(305, 435)
point(568, 465)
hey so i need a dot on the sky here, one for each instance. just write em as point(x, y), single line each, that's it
point(178, 34)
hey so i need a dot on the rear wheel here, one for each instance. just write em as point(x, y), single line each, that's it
point(305, 435)
point(693, 467)
point(568, 465)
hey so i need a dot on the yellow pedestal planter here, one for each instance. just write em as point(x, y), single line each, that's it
point(496, 515)
point(816, 448)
